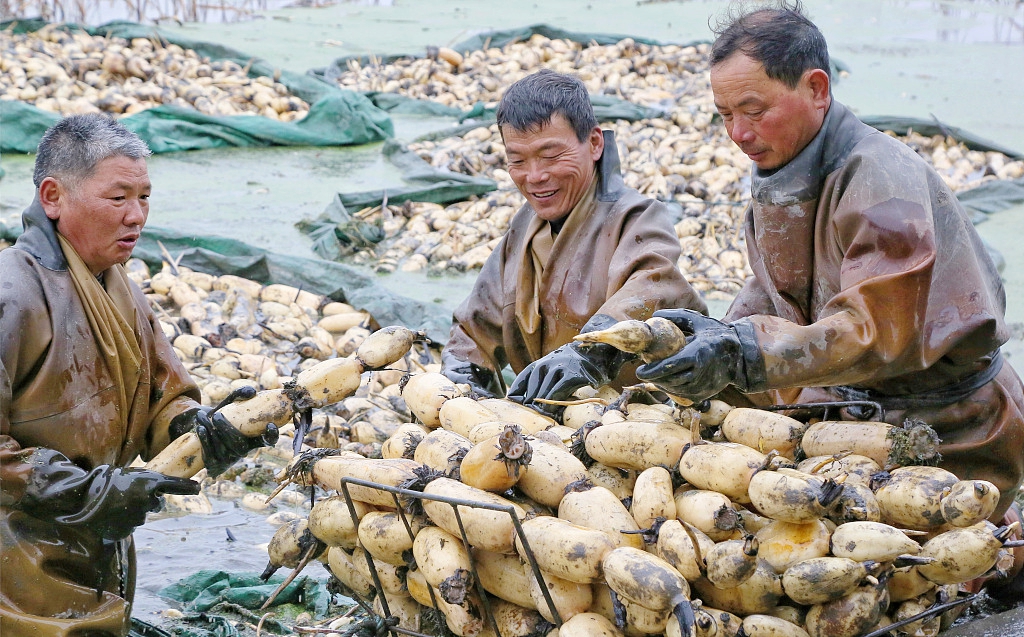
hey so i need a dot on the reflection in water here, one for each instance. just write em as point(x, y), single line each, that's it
point(96, 12)
point(974, 21)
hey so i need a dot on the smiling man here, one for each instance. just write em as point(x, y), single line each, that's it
point(584, 252)
point(88, 382)
point(870, 282)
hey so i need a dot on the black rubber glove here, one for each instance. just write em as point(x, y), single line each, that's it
point(482, 381)
point(223, 444)
point(108, 501)
point(716, 356)
point(561, 372)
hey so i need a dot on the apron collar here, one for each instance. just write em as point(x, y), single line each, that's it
point(609, 175)
point(802, 178)
point(40, 237)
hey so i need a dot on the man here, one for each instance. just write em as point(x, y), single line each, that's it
point(870, 283)
point(581, 254)
point(88, 382)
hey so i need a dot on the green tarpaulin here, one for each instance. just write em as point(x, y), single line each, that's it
point(211, 599)
point(203, 590)
point(992, 196)
point(606, 108)
point(336, 117)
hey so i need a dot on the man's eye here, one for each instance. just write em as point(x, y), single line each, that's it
point(144, 197)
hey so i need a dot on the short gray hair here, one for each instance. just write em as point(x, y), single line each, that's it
point(71, 148)
point(532, 101)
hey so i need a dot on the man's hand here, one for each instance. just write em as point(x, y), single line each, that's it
point(556, 377)
point(108, 501)
point(482, 381)
point(716, 356)
point(118, 499)
point(560, 373)
point(222, 443)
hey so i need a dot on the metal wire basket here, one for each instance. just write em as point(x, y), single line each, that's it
point(398, 493)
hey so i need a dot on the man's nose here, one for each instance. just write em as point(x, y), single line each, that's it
point(137, 212)
point(740, 131)
point(536, 173)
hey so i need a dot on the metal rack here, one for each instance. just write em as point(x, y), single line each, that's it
point(455, 503)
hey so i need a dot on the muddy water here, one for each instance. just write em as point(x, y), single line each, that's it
point(169, 548)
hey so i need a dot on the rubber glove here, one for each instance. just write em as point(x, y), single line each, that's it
point(561, 372)
point(482, 381)
point(108, 501)
point(222, 443)
point(716, 356)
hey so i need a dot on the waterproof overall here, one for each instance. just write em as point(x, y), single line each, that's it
point(618, 258)
point(56, 393)
point(870, 282)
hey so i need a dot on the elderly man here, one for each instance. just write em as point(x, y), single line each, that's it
point(870, 283)
point(88, 382)
point(581, 254)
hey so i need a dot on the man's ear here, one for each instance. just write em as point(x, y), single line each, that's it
point(50, 193)
point(818, 82)
point(596, 143)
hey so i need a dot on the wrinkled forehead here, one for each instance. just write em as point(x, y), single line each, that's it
point(557, 127)
point(117, 172)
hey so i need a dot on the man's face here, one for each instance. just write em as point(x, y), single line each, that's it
point(103, 216)
point(550, 166)
point(770, 122)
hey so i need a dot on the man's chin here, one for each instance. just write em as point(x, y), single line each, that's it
point(550, 212)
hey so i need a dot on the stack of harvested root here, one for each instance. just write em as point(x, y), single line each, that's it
point(323, 384)
point(73, 72)
point(684, 157)
point(639, 73)
point(689, 160)
point(233, 333)
point(481, 510)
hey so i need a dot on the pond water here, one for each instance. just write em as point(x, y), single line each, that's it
point(96, 12)
point(171, 547)
point(990, 22)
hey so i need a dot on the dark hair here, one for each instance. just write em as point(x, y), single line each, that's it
point(779, 36)
point(533, 100)
point(71, 148)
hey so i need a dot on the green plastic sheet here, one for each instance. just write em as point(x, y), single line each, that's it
point(992, 196)
point(337, 117)
point(210, 598)
point(501, 37)
point(606, 108)
point(426, 183)
point(203, 590)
